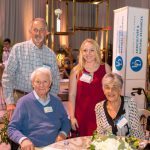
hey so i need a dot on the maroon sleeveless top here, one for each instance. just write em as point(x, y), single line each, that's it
point(88, 95)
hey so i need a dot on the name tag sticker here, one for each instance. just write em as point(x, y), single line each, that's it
point(121, 122)
point(86, 78)
point(48, 109)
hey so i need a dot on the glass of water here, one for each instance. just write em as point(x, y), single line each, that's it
point(66, 145)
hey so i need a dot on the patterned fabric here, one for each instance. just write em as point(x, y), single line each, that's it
point(2, 105)
point(24, 58)
point(2, 101)
point(131, 114)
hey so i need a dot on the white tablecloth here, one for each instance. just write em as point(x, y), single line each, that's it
point(79, 143)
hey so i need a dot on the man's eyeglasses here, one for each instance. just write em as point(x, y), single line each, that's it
point(42, 30)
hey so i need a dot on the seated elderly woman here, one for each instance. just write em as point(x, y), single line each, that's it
point(39, 118)
point(117, 114)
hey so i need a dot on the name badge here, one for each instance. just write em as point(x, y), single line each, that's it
point(48, 109)
point(86, 78)
point(121, 122)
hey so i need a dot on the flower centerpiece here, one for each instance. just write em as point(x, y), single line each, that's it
point(110, 141)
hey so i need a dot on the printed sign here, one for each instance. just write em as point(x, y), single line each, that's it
point(130, 42)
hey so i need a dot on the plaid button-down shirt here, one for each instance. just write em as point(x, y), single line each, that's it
point(24, 58)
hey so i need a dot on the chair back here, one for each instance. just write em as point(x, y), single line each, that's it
point(144, 117)
point(148, 123)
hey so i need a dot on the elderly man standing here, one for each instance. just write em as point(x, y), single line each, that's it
point(24, 58)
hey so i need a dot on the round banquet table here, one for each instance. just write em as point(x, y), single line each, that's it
point(79, 143)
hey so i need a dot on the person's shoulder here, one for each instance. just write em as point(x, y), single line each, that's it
point(73, 74)
point(107, 68)
point(26, 99)
point(127, 98)
point(130, 101)
point(56, 101)
point(46, 48)
point(99, 105)
point(55, 98)
point(75, 70)
point(21, 44)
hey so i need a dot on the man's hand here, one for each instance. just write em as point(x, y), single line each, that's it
point(10, 110)
point(60, 137)
point(26, 144)
point(74, 123)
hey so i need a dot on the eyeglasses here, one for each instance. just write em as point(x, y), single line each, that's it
point(37, 82)
point(112, 88)
point(42, 30)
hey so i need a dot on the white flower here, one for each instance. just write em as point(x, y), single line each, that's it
point(108, 144)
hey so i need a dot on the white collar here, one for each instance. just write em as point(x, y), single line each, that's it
point(44, 103)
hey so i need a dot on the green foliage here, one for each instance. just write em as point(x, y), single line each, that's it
point(95, 135)
point(133, 142)
point(92, 147)
point(3, 131)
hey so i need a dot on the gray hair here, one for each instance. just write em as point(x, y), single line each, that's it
point(112, 78)
point(40, 20)
point(43, 70)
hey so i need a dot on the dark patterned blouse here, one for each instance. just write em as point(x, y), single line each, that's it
point(128, 109)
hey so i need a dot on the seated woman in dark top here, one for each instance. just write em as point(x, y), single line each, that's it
point(117, 114)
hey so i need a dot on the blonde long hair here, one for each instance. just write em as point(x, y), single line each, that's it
point(81, 63)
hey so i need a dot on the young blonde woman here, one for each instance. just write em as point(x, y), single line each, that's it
point(85, 89)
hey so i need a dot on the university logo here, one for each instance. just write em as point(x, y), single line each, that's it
point(136, 64)
point(119, 63)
